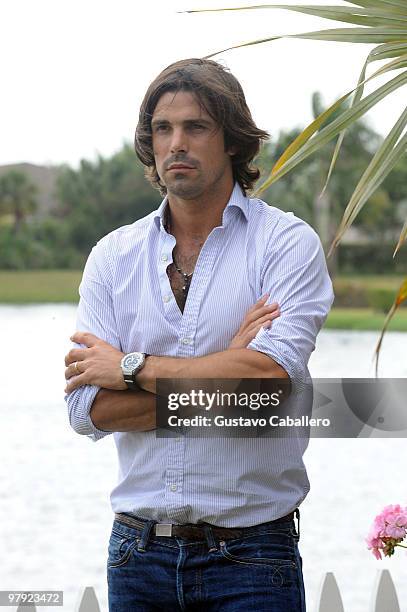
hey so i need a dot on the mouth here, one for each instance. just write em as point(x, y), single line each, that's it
point(180, 167)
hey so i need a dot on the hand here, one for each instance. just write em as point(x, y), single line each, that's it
point(98, 364)
point(257, 317)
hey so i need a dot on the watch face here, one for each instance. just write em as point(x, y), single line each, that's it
point(132, 361)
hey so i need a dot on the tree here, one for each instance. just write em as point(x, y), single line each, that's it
point(17, 197)
point(103, 195)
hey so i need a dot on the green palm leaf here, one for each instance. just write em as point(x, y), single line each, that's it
point(349, 35)
point(384, 160)
point(356, 15)
point(400, 298)
point(386, 51)
point(402, 239)
point(331, 130)
point(399, 62)
point(390, 5)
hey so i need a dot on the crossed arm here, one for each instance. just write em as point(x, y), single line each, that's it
point(115, 408)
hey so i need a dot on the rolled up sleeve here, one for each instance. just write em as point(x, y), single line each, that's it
point(95, 315)
point(295, 274)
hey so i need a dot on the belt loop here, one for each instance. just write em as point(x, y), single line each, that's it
point(210, 538)
point(145, 534)
point(297, 514)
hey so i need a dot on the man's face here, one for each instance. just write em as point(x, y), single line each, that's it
point(188, 146)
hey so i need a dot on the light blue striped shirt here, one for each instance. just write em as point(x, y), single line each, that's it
point(126, 299)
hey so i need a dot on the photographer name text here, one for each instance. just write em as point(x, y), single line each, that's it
point(222, 421)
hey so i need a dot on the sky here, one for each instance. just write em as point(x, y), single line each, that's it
point(74, 72)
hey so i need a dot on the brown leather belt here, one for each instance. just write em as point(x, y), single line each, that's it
point(191, 531)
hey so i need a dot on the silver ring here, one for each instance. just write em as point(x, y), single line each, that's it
point(75, 365)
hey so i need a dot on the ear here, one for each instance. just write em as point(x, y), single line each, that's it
point(232, 151)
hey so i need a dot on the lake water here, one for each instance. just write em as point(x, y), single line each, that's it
point(55, 515)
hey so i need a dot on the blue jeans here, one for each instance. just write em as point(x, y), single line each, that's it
point(260, 571)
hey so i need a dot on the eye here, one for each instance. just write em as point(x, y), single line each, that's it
point(161, 128)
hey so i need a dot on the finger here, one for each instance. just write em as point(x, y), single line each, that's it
point(259, 302)
point(260, 310)
point(249, 336)
point(268, 317)
point(252, 331)
point(74, 383)
point(75, 369)
point(263, 299)
point(257, 314)
point(75, 355)
point(85, 338)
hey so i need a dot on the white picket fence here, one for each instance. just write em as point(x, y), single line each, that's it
point(384, 597)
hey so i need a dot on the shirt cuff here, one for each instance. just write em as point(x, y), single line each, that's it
point(83, 397)
point(281, 353)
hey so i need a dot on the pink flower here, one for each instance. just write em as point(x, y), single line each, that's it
point(388, 530)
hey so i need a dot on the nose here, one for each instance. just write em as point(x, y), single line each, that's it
point(178, 141)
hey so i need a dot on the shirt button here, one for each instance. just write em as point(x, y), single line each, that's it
point(166, 298)
point(186, 341)
point(164, 257)
point(173, 487)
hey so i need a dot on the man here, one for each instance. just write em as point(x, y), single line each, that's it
point(200, 523)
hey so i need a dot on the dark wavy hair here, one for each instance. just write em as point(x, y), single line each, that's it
point(221, 95)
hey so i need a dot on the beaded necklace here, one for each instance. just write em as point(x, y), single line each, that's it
point(186, 277)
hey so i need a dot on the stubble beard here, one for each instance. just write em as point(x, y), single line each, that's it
point(182, 187)
point(189, 189)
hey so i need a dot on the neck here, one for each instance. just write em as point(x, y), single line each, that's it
point(196, 218)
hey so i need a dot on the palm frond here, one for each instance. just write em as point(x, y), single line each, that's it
point(399, 62)
point(334, 128)
point(383, 161)
point(400, 298)
point(390, 5)
point(403, 236)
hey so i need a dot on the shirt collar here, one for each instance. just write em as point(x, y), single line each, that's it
point(237, 200)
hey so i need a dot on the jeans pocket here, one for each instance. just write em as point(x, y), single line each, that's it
point(120, 548)
point(273, 551)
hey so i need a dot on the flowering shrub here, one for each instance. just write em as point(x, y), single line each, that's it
point(388, 531)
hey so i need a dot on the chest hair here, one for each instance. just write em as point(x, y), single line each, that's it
point(186, 258)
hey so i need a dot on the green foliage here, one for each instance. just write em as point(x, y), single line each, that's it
point(104, 195)
point(19, 249)
point(349, 294)
point(39, 245)
point(17, 197)
point(94, 200)
point(371, 259)
point(376, 293)
point(380, 300)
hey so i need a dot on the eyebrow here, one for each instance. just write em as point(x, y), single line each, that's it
point(156, 122)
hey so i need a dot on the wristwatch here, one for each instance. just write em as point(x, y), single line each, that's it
point(131, 364)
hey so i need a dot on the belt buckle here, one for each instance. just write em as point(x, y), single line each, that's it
point(163, 529)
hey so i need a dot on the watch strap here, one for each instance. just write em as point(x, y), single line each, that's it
point(131, 383)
